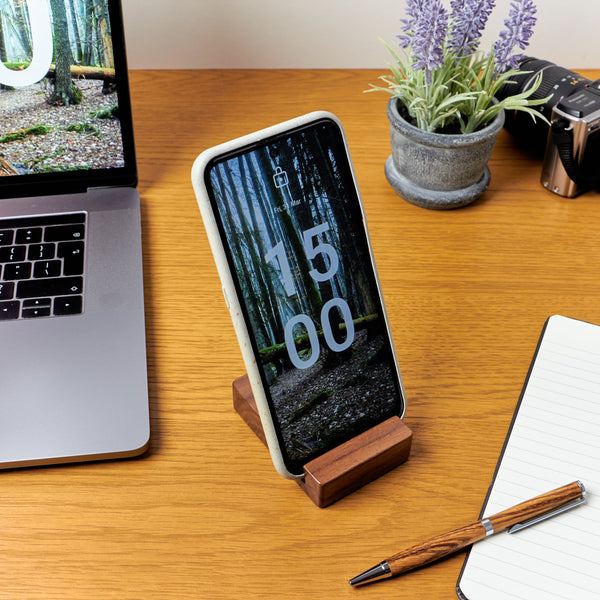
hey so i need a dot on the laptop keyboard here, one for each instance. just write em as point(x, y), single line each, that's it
point(42, 261)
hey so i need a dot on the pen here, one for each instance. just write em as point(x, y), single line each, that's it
point(513, 519)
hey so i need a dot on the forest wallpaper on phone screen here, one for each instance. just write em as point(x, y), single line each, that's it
point(295, 234)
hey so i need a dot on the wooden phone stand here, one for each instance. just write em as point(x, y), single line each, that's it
point(347, 467)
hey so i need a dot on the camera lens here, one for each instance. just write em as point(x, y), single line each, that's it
point(557, 82)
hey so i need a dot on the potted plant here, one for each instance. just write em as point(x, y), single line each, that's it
point(444, 117)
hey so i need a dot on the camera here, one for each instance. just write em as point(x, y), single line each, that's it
point(571, 144)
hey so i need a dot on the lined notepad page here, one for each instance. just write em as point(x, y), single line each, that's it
point(555, 440)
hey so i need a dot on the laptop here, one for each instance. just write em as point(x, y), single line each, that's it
point(73, 377)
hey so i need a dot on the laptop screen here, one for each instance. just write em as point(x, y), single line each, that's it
point(64, 104)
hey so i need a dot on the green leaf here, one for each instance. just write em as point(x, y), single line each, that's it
point(461, 90)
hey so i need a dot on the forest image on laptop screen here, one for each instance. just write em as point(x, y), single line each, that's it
point(59, 109)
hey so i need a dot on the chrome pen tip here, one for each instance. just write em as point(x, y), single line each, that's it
point(381, 571)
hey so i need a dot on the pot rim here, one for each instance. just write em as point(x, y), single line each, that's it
point(442, 140)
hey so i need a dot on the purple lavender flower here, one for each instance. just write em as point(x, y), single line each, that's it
point(519, 28)
point(428, 39)
point(413, 12)
point(468, 18)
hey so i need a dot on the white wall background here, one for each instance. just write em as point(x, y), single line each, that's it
point(206, 34)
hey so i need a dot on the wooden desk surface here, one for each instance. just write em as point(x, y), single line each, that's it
point(203, 514)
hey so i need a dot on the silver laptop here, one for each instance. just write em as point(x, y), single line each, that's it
point(73, 379)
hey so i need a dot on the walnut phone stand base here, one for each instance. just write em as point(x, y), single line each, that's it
point(347, 467)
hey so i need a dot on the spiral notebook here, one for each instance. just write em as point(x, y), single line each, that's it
point(553, 440)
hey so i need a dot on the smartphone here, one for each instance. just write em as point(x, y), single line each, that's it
point(286, 225)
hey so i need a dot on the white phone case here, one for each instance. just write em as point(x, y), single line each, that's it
point(229, 289)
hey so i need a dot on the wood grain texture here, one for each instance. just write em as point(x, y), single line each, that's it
point(535, 507)
point(204, 515)
point(349, 466)
point(357, 462)
point(245, 405)
point(436, 548)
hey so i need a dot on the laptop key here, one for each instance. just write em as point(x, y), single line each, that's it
point(72, 254)
point(37, 302)
point(46, 268)
point(32, 313)
point(64, 232)
point(68, 305)
point(7, 289)
point(31, 235)
point(12, 254)
point(17, 271)
point(9, 310)
point(57, 286)
point(6, 237)
point(41, 252)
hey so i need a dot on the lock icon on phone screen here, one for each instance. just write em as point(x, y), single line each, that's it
point(280, 178)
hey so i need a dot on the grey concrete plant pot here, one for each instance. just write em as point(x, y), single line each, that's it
point(436, 170)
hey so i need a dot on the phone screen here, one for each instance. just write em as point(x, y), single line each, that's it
point(292, 224)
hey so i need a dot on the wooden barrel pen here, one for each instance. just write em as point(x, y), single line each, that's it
point(513, 519)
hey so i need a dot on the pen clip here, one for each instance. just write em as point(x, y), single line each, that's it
point(557, 511)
